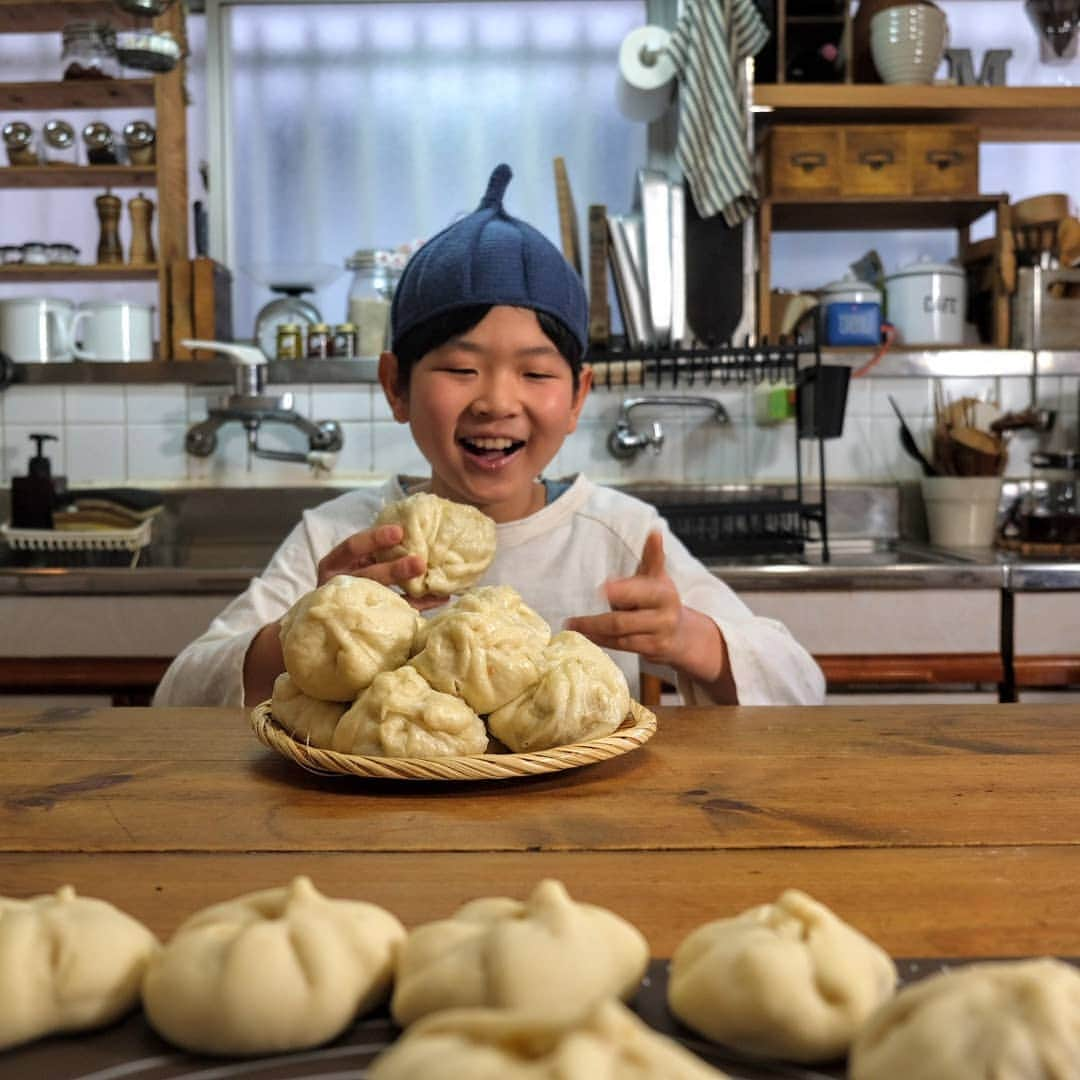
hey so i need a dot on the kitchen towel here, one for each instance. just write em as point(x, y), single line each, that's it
point(709, 42)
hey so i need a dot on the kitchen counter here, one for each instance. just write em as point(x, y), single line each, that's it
point(938, 831)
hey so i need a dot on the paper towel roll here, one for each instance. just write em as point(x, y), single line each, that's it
point(646, 82)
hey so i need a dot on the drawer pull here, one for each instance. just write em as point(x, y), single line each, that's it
point(877, 159)
point(944, 159)
point(808, 160)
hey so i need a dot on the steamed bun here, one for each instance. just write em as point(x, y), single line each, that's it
point(787, 980)
point(400, 715)
point(308, 719)
point(485, 654)
point(548, 954)
point(456, 541)
point(67, 963)
point(276, 970)
point(1015, 1020)
point(338, 637)
point(582, 694)
point(498, 601)
point(608, 1041)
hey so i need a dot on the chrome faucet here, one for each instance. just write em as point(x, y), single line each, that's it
point(250, 405)
point(624, 443)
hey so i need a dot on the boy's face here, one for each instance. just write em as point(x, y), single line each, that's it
point(489, 410)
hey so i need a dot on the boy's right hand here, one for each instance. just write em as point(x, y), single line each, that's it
point(356, 556)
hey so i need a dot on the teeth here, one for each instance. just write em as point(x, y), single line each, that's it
point(491, 444)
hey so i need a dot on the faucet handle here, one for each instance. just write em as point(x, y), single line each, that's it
point(244, 355)
point(656, 439)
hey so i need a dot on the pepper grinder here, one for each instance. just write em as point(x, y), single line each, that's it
point(142, 239)
point(108, 211)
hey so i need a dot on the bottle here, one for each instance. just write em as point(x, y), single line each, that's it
point(108, 210)
point(141, 210)
point(32, 496)
point(370, 293)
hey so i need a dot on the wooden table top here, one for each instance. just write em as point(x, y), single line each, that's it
point(938, 830)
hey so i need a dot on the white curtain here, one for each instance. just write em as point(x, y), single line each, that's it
point(374, 124)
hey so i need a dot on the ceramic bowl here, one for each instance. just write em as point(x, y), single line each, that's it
point(908, 42)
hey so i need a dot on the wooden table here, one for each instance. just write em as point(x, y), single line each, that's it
point(937, 830)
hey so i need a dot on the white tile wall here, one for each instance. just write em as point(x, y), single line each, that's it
point(135, 434)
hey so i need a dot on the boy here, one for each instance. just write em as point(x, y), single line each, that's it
point(489, 327)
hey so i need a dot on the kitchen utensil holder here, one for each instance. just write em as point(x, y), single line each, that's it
point(750, 525)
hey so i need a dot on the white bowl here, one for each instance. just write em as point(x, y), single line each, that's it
point(908, 42)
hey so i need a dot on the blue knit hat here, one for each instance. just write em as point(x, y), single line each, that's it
point(489, 257)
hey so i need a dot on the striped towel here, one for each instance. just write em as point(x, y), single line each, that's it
point(711, 147)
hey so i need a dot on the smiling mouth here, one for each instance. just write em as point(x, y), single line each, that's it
point(491, 449)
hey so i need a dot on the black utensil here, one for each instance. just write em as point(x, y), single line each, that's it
point(907, 440)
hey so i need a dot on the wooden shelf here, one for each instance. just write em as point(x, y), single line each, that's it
point(35, 17)
point(78, 94)
point(77, 176)
point(910, 212)
point(1002, 113)
point(77, 272)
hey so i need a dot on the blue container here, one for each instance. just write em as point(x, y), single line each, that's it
point(852, 323)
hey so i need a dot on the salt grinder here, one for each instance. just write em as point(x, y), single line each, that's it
point(108, 211)
point(142, 238)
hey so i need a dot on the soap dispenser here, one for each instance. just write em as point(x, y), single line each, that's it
point(32, 496)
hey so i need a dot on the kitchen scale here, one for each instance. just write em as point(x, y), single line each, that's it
point(291, 281)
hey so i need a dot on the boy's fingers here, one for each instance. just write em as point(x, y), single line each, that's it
point(613, 624)
point(652, 556)
point(634, 592)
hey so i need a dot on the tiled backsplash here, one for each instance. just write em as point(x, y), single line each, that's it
point(135, 434)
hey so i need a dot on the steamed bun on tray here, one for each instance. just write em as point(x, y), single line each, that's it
point(606, 1042)
point(787, 980)
point(277, 970)
point(549, 954)
point(456, 541)
point(582, 694)
point(1017, 1020)
point(400, 715)
point(67, 963)
point(305, 718)
point(338, 637)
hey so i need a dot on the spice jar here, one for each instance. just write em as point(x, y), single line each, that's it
point(89, 51)
point(344, 342)
point(35, 253)
point(318, 341)
point(62, 254)
point(60, 147)
point(100, 147)
point(370, 293)
point(10, 254)
point(139, 138)
point(290, 342)
point(19, 140)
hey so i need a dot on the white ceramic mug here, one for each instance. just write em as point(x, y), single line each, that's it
point(113, 330)
point(36, 329)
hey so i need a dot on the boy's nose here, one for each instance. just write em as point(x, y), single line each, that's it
point(495, 397)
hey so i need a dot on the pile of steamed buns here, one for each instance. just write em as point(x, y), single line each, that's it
point(528, 990)
point(366, 674)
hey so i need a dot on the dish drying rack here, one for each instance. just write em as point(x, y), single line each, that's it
point(758, 519)
point(78, 547)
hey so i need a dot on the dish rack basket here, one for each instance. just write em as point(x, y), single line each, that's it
point(774, 522)
point(82, 547)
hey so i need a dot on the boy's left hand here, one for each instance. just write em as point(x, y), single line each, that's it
point(647, 616)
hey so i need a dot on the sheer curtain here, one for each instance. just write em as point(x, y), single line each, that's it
point(372, 124)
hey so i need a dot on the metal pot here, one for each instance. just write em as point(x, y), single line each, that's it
point(926, 302)
point(143, 7)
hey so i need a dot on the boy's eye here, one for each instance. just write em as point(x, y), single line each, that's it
point(453, 369)
point(539, 375)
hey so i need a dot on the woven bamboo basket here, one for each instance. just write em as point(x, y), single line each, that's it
point(638, 727)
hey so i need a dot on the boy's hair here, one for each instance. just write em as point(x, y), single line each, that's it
point(438, 330)
point(489, 258)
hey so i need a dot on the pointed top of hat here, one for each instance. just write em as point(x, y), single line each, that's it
point(496, 188)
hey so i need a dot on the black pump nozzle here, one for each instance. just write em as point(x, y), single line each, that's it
point(39, 463)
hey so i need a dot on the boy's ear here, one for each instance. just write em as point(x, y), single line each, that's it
point(585, 378)
point(388, 377)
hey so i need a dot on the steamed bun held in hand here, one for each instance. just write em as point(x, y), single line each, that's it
point(1016, 1020)
point(549, 955)
point(582, 694)
point(282, 969)
point(400, 715)
point(787, 980)
point(456, 541)
point(67, 963)
point(338, 637)
point(306, 718)
point(608, 1042)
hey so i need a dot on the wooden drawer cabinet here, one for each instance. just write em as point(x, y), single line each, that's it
point(808, 162)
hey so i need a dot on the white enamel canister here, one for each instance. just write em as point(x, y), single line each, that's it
point(926, 302)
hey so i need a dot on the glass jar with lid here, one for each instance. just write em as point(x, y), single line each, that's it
point(89, 51)
point(19, 141)
point(139, 138)
point(370, 292)
point(59, 146)
point(101, 147)
point(1050, 511)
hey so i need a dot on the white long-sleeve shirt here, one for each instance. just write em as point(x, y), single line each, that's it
point(557, 559)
